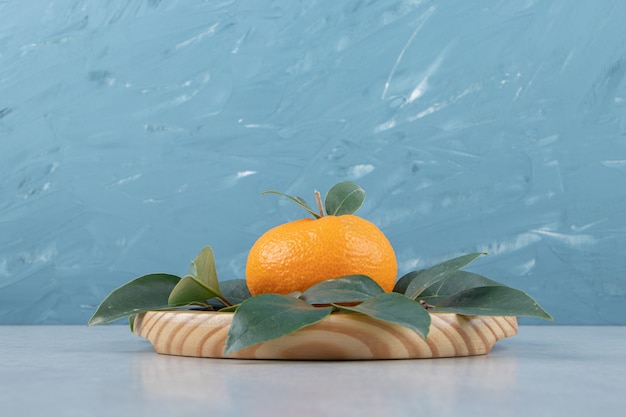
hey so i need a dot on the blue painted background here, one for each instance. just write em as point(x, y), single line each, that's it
point(132, 134)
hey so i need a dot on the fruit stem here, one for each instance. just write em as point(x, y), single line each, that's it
point(318, 200)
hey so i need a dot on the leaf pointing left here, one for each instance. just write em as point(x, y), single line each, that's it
point(297, 200)
point(148, 292)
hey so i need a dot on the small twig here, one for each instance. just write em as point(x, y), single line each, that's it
point(426, 305)
point(318, 200)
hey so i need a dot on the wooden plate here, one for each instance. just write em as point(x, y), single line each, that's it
point(337, 337)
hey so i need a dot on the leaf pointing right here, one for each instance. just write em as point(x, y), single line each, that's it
point(492, 301)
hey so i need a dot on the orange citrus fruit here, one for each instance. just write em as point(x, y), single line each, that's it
point(296, 255)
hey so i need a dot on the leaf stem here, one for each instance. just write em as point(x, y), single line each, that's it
point(318, 200)
point(225, 301)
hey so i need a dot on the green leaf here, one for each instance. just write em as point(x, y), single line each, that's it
point(344, 198)
point(496, 300)
point(297, 200)
point(348, 289)
point(190, 290)
point(205, 269)
point(148, 292)
point(270, 316)
point(404, 281)
point(458, 281)
point(235, 290)
point(420, 280)
point(395, 308)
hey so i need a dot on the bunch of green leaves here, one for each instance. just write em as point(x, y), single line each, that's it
point(198, 289)
point(443, 288)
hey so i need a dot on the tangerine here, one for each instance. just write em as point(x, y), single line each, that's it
point(296, 255)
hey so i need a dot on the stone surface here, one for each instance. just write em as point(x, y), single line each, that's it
point(132, 134)
point(107, 371)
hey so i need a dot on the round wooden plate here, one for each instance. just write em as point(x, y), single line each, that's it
point(337, 337)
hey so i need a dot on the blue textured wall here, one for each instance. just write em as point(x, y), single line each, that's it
point(133, 133)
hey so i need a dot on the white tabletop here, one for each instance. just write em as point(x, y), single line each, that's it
point(107, 371)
